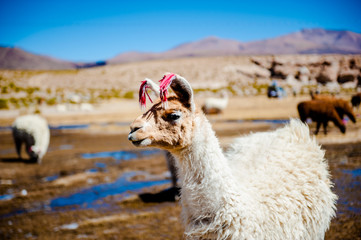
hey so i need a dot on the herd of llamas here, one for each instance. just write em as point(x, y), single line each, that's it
point(267, 185)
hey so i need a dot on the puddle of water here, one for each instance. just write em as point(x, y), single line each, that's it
point(347, 188)
point(6, 197)
point(6, 128)
point(92, 170)
point(66, 147)
point(355, 172)
point(270, 121)
point(100, 165)
point(91, 197)
point(71, 226)
point(70, 127)
point(50, 178)
point(121, 155)
point(7, 151)
point(61, 147)
point(88, 198)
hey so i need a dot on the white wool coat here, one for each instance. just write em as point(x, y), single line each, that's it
point(37, 127)
point(271, 185)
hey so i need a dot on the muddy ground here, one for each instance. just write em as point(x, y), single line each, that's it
point(89, 183)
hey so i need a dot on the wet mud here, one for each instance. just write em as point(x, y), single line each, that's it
point(96, 185)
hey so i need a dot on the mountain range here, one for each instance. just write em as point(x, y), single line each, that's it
point(307, 41)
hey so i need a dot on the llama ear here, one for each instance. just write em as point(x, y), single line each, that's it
point(184, 91)
point(147, 83)
point(153, 86)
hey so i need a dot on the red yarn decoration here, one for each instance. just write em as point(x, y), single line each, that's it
point(143, 94)
point(164, 85)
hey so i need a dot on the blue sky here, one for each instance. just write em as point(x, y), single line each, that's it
point(98, 30)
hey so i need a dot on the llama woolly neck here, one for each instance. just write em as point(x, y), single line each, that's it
point(208, 188)
point(203, 160)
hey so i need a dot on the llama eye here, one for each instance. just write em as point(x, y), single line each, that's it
point(173, 116)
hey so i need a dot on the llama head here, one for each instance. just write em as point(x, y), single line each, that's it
point(168, 123)
point(34, 152)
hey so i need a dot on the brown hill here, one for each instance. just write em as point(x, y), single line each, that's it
point(318, 41)
point(15, 58)
point(211, 46)
point(308, 41)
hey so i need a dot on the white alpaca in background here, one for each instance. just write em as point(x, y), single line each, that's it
point(32, 130)
point(215, 105)
point(272, 185)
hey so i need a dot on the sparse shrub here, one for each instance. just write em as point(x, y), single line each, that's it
point(93, 100)
point(128, 95)
point(116, 93)
point(25, 101)
point(260, 87)
point(198, 90)
point(4, 103)
point(51, 101)
point(4, 90)
point(231, 90)
point(15, 102)
point(30, 90)
point(17, 89)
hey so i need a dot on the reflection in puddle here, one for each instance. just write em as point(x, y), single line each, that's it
point(122, 155)
point(61, 147)
point(88, 198)
point(7, 151)
point(50, 178)
point(269, 121)
point(66, 147)
point(6, 197)
point(92, 197)
point(100, 165)
point(354, 172)
point(69, 127)
point(92, 170)
point(347, 187)
point(272, 121)
point(6, 128)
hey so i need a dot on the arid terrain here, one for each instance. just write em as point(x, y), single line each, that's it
point(75, 195)
point(89, 182)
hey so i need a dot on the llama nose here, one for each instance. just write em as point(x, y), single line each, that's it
point(130, 137)
point(132, 130)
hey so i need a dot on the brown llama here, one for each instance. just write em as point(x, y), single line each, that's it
point(320, 112)
point(342, 106)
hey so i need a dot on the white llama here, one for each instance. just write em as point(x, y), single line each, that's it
point(272, 185)
point(215, 105)
point(32, 130)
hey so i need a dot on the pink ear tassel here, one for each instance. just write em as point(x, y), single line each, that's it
point(164, 85)
point(143, 93)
